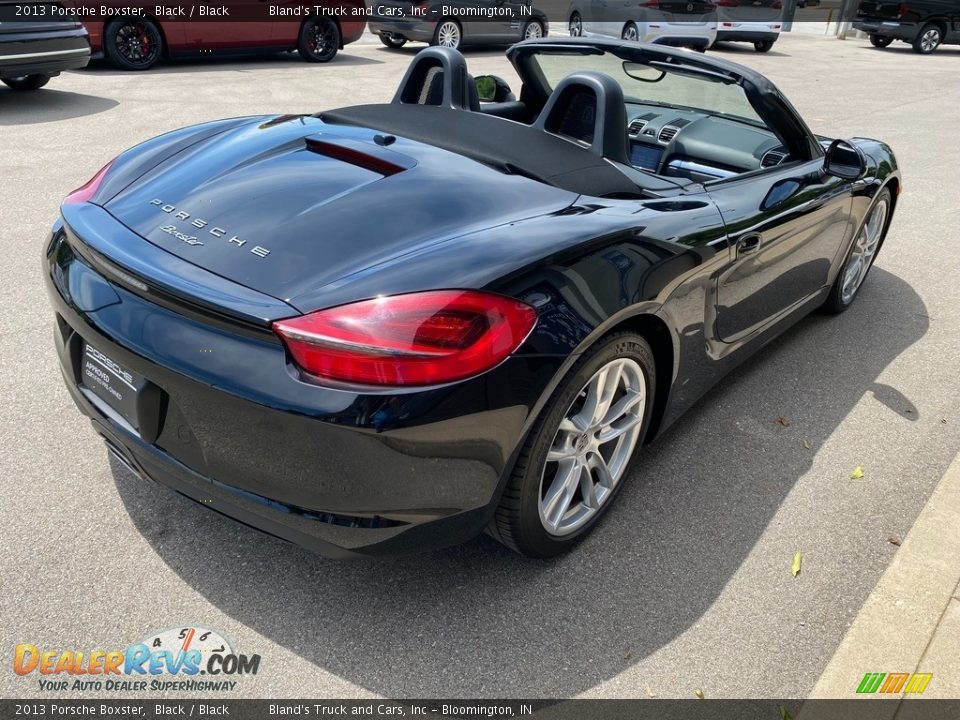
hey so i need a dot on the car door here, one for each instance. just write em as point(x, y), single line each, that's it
point(786, 226)
point(233, 32)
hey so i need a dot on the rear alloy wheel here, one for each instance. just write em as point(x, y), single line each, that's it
point(319, 40)
point(763, 45)
point(392, 40)
point(575, 26)
point(630, 32)
point(861, 256)
point(577, 455)
point(533, 29)
point(880, 41)
point(133, 44)
point(26, 82)
point(448, 34)
point(928, 40)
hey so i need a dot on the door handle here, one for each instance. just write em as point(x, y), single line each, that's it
point(749, 243)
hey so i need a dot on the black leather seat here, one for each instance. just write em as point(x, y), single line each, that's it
point(588, 108)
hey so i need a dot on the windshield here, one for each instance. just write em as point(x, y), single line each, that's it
point(653, 84)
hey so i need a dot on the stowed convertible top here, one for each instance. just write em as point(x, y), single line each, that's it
point(502, 144)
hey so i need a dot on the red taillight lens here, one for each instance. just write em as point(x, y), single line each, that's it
point(902, 10)
point(423, 338)
point(776, 5)
point(727, 3)
point(87, 190)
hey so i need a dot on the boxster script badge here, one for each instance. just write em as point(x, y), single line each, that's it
point(200, 224)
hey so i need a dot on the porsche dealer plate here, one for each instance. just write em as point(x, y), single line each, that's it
point(111, 382)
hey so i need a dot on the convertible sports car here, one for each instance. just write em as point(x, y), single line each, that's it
point(389, 327)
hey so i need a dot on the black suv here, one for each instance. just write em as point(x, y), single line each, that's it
point(39, 44)
point(925, 24)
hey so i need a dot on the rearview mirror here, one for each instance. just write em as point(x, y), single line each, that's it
point(844, 160)
point(492, 88)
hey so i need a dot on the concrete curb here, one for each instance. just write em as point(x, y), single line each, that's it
point(911, 621)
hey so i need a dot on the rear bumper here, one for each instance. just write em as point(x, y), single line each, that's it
point(748, 35)
point(43, 53)
point(887, 28)
point(341, 473)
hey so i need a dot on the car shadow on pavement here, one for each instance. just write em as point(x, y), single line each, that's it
point(477, 620)
point(48, 105)
point(238, 63)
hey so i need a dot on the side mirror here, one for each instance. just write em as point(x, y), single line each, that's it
point(492, 88)
point(844, 160)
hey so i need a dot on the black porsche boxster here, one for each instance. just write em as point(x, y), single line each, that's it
point(391, 327)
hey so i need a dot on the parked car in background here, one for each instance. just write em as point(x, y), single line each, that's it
point(754, 21)
point(452, 24)
point(924, 24)
point(33, 50)
point(138, 43)
point(675, 22)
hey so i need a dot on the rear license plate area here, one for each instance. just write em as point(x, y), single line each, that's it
point(114, 385)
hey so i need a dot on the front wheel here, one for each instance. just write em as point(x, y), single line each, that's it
point(448, 34)
point(132, 44)
point(763, 46)
point(880, 41)
point(861, 256)
point(392, 40)
point(575, 26)
point(319, 40)
point(928, 40)
point(576, 458)
point(630, 32)
point(26, 82)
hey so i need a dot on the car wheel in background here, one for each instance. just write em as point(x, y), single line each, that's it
point(26, 82)
point(575, 26)
point(862, 253)
point(533, 29)
point(630, 32)
point(763, 45)
point(880, 41)
point(448, 34)
point(928, 40)
point(133, 44)
point(392, 40)
point(576, 457)
point(319, 40)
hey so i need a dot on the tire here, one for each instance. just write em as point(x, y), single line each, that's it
point(27, 82)
point(392, 40)
point(763, 46)
point(575, 26)
point(525, 520)
point(880, 41)
point(630, 32)
point(928, 39)
point(448, 34)
point(533, 29)
point(319, 40)
point(133, 44)
point(869, 236)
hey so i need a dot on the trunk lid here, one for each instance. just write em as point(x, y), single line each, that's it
point(879, 9)
point(290, 205)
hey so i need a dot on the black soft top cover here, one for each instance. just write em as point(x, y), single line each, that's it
point(502, 144)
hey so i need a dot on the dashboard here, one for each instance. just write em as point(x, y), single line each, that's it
point(697, 146)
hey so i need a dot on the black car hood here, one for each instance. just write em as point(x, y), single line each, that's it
point(288, 205)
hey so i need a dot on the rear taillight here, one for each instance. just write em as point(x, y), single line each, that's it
point(424, 338)
point(89, 188)
point(902, 10)
point(776, 5)
point(727, 3)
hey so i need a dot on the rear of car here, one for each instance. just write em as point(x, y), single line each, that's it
point(39, 41)
point(924, 24)
point(679, 23)
point(755, 21)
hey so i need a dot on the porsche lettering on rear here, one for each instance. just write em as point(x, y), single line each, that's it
point(200, 224)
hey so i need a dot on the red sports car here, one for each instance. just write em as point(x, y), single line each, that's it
point(138, 41)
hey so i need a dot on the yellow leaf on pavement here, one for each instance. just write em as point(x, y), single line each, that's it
point(699, 693)
point(857, 473)
point(797, 562)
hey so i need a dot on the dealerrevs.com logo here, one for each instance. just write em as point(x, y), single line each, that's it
point(189, 658)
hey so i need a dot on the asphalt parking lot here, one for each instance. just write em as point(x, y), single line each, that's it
point(686, 585)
